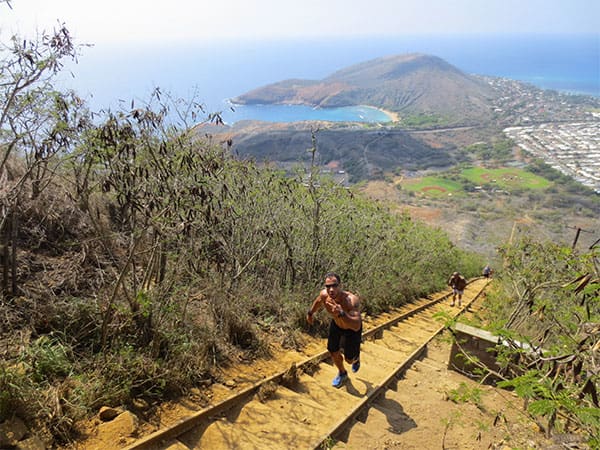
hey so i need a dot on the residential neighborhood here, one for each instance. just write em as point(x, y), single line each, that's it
point(572, 148)
point(521, 104)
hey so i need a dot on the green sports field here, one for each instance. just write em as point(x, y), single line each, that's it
point(506, 178)
point(433, 186)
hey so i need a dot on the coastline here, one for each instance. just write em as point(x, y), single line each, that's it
point(394, 116)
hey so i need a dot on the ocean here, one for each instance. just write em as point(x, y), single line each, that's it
point(212, 73)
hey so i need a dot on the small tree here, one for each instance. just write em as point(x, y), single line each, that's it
point(37, 124)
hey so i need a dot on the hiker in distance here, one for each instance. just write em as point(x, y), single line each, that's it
point(345, 329)
point(458, 284)
point(487, 271)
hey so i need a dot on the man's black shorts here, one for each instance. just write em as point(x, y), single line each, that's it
point(349, 340)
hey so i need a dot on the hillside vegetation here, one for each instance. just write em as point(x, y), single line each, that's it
point(137, 257)
point(546, 308)
point(361, 155)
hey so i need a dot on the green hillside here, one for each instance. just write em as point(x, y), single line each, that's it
point(141, 254)
point(138, 257)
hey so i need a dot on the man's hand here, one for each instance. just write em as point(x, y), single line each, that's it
point(333, 308)
point(330, 306)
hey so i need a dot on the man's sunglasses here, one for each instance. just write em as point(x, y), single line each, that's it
point(334, 285)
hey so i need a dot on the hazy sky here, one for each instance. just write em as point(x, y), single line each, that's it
point(107, 21)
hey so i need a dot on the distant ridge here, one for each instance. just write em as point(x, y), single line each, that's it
point(408, 84)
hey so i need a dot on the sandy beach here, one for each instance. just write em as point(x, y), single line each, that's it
point(394, 116)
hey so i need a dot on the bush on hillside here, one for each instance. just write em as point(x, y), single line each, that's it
point(549, 297)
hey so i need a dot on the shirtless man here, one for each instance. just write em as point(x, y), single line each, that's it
point(345, 330)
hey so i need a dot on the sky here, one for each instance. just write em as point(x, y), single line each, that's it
point(143, 21)
point(127, 35)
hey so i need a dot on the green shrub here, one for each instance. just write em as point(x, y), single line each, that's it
point(14, 387)
point(49, 358)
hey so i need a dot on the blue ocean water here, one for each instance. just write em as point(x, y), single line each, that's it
point(217, 71)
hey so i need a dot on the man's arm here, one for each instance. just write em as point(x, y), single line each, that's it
point(316, 305)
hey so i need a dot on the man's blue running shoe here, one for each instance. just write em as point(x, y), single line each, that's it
point(356, 366)
point(339, 379)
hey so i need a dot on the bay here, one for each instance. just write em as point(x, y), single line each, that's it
point(296, 113)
